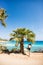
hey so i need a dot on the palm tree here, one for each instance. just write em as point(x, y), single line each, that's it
point(22, 33)
point(3, 16)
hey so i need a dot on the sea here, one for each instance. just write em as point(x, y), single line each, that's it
point(36, 46)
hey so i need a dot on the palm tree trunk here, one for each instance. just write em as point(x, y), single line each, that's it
point(22, 46)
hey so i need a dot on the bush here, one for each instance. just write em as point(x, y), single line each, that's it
point(15, 50)
point(3, 49)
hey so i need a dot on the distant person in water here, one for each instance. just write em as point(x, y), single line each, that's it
point(29, 47)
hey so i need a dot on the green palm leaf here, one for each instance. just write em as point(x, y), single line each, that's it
point(3, 16)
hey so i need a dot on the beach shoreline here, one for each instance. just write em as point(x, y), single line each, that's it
point(2, 41)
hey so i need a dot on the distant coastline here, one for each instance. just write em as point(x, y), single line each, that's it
point(3, 40)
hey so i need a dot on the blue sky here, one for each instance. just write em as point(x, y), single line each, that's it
point(23, 13)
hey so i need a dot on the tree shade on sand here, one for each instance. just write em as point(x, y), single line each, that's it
point(21, 33)
point(3, 16)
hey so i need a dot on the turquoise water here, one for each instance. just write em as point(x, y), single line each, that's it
point(37, 46)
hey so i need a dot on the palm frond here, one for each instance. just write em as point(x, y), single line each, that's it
point(3, 15)
point(23, 33)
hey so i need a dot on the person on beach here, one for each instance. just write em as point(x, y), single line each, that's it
point(29, 47)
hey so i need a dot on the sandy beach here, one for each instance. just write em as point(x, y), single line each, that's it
point(19, 59)
point(2, 41)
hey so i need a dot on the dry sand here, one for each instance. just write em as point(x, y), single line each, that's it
point(19, 59)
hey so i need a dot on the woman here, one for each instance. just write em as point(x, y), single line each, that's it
point(29, 47)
